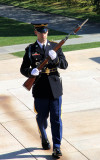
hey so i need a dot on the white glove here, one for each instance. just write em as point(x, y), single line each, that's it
point(52, 54)
point(35, 72)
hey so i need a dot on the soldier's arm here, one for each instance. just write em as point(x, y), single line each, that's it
point(60, 60)
point(25, 68)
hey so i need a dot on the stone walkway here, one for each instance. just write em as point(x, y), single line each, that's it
point(19, 138)
point(57, 22)
point(21, 47)
point(89, 33)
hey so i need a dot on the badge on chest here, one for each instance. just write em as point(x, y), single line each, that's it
point(36, 58)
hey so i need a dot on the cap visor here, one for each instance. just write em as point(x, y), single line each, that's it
point(42, 30)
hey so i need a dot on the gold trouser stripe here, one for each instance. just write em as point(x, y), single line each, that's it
point(61, 111)
point(35, 109)
point(36, 120)
point(39, 129)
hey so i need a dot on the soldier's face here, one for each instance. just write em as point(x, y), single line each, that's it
point(42, 37)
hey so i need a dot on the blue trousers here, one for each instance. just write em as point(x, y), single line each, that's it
point(53, 106)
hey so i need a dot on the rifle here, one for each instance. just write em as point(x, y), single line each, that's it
point(30, 81)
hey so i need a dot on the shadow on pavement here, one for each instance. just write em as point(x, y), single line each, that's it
point(20, 154)
point(96, 59)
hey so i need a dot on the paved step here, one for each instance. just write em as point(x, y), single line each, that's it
point(6, 56)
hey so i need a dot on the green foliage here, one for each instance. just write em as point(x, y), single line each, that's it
point(97, 4)
point(72, 8)
point(68, 48)
point(80, 46)
point(14, 32)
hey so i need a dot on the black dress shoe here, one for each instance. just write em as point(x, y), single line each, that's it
point(45, 144)
point(56, 152)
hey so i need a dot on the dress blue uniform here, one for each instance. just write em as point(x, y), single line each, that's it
point(47, 91)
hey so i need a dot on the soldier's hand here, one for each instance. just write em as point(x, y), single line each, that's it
point(52, 54)
point(35, 72)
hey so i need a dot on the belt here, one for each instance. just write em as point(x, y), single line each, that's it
point(48, 71)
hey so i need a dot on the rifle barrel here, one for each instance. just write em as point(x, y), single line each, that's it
point(77, 29)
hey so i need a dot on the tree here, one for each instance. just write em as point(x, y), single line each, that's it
point(97, 4)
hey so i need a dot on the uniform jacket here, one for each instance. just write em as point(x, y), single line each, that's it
point(46, 85)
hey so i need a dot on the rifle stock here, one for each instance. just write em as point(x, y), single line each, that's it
point(30, 81)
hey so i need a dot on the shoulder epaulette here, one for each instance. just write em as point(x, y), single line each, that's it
point(53, 42)
point(29, 46)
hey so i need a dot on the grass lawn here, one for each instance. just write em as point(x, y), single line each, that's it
point(81, 11)
point(68, 48)
point(80, 46)
point(14, 32)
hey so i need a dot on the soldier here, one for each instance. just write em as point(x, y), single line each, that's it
point(47, 90)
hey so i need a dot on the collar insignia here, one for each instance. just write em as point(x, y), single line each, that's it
point(48, 44)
